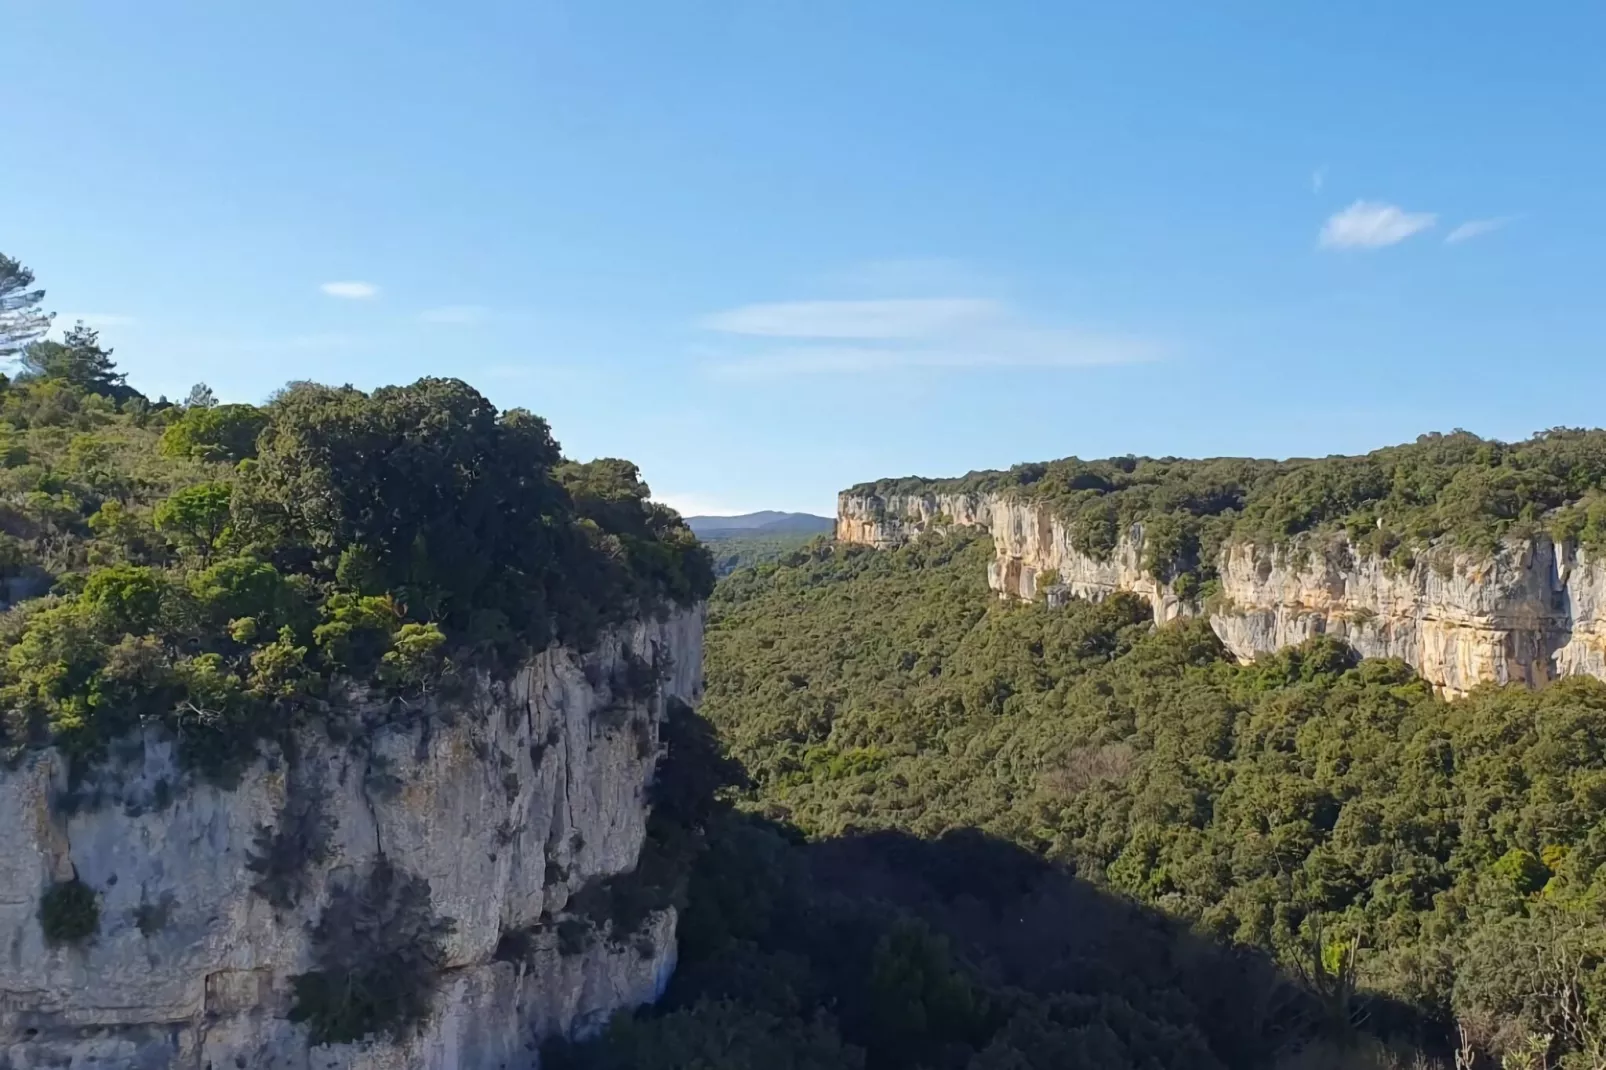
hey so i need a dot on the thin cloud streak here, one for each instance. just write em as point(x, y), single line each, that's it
point(351, 291)
point(903, 318)
point(1030, 349)
point(1476, 228)
point(1372, 225)
point(858, 337)
point(1318, 179)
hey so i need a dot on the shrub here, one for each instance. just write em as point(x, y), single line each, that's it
point(379, 949)
point(197, 518)
point(574, 937)
point(129, 596)
point(69, 913)
point(281, 857)
point(216, 433)
point(414, 655)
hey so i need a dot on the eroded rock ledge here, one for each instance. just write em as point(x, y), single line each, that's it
point(507, 801)
point(1534, 611)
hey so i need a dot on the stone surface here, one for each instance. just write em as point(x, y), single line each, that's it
point(506, 801)
point(1533, 611)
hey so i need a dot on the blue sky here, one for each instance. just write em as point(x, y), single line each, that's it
point(770, 249)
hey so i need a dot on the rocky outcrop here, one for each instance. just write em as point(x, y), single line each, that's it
point(1034, 553)
point(506, 800)
point(1533, 611)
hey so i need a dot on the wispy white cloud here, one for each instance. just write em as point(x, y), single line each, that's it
point(1318, 179)
point(1019, 348)
point(455, 314)
point(354, 291)
point(1475, 228)
point(903, 318)
point(1372, 225)
point(835, 338)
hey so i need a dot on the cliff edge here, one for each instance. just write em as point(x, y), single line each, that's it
point(1532, 611)
point(463, 826)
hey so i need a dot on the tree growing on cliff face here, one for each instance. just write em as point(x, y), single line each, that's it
point(21, 321)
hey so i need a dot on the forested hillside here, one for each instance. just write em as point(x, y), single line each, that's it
point(738, 550)
point(938, 765)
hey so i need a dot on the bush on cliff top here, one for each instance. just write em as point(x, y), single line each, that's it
point(213, 568)
point(1459, 488)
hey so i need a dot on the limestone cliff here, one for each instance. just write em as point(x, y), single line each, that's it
point(506, 800)
point(1533, 611)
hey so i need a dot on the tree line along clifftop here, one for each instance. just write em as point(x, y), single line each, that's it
point(1472, 560)
point(217, 568)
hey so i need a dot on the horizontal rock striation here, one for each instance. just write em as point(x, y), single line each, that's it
point(1533, 611)
point(507, 800)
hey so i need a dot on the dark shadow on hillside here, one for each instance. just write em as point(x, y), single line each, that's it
point(1019, 921)
point(883, 951)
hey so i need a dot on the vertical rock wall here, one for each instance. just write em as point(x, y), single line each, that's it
point(506, 801)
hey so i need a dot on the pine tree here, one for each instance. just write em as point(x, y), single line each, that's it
point(77, 359)
point(201, 397)
point(21, 321)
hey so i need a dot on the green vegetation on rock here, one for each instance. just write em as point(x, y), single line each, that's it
point(69, 912)
point(379, 949)
point(1456, 490)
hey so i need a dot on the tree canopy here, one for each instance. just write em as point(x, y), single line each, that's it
point(217, 567)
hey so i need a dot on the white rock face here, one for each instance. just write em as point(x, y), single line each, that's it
point(506, 802)
point(1532, 612)
point(1032, 546)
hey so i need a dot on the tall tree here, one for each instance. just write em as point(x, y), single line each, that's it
point(200, 397)
point(78, 359)
point(21, 321)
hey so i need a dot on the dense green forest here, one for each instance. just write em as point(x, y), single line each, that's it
point(214, 569)
point(1443, 492)
point(737, 550)
point(980, 834)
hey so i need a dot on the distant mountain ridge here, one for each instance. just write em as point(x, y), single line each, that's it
point(765, 522)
